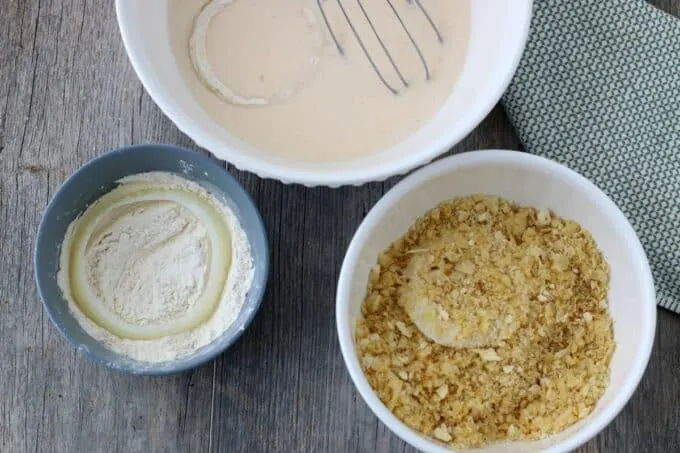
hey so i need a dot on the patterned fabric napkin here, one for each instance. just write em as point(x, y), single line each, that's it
point(598, 89)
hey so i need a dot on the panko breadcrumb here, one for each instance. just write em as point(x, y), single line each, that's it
point(541, 371)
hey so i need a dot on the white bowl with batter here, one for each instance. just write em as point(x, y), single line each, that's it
point(341, 125)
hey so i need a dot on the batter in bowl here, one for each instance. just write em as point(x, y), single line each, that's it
point(270, 72)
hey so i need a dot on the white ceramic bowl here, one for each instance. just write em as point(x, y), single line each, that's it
point(532, 181)
point(498, 34)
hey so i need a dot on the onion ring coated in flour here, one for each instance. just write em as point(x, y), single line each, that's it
point(217, 272)
point(205, 71)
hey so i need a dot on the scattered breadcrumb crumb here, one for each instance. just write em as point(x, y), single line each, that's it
point(548, 361)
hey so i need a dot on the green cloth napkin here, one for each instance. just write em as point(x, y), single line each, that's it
point(598, 89)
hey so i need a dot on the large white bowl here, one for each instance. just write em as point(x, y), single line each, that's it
point(528, 180)
point(499, 31)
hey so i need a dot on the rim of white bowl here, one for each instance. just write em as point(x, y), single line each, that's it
point(344, 320)
point(327, 175)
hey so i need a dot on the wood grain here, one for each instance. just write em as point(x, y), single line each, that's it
point(67, 94)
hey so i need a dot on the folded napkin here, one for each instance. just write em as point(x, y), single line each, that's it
point(598, 89)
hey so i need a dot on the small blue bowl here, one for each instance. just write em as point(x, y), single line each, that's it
point(99, 177)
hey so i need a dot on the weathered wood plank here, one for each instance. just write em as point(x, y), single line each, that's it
point(62, 103)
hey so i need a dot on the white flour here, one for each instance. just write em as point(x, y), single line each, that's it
point(152, 253)
point(147, 263)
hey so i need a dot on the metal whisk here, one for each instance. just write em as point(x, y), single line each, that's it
point(394, 65)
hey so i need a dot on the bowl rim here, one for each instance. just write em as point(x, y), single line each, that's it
point(310, 177)
point(174, 366)
point(451, 164)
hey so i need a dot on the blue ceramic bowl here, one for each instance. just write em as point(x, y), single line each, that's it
point(99, 177)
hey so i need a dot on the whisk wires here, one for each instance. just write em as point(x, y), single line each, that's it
point(381, 42)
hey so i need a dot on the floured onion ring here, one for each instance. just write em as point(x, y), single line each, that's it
point(217, 270)
point(430, 301)
point(207, 74)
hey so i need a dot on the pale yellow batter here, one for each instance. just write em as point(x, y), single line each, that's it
point(315, 104)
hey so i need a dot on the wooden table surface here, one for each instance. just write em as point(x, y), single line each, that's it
point(67, 94)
